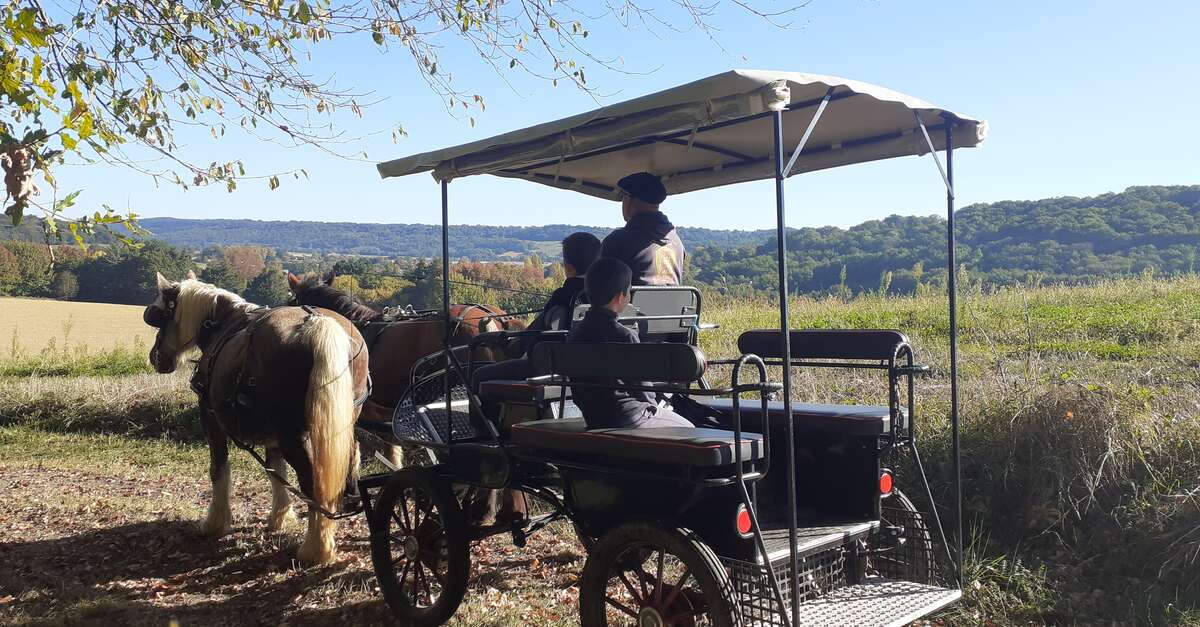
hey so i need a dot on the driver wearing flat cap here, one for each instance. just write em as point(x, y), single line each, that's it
point(648, 243)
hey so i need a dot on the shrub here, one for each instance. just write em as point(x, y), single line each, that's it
point(65, 285)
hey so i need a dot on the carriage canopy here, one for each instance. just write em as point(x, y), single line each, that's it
point(711, 132)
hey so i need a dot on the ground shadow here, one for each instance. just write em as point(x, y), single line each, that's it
point(148, 573)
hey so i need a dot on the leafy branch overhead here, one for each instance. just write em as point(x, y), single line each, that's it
point(115, 81)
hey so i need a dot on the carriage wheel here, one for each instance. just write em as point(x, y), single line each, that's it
point(909, 556)
point(651, 576)
point(420, 548)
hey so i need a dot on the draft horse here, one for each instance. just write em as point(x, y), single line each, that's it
point(395, 346)
point(284, 378)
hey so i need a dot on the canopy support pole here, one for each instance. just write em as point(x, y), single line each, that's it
point(786, 335)
point(952, 287)
point(807, 132)
point(446, 326)
point(952, 294)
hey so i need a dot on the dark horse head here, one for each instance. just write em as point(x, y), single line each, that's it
point(318, 291)
point(470, 319)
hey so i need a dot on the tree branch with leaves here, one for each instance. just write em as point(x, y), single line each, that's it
point(115, 81)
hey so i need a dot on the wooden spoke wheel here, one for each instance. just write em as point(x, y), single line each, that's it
point(420, 548)
point(651, 576)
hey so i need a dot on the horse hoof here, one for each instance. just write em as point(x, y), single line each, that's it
point(214, 528)
point(315, 555)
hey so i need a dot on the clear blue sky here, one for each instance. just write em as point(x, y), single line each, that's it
point(1081, 98)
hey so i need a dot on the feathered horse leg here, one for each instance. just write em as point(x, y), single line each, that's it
point(281, 516)
point(220, 515)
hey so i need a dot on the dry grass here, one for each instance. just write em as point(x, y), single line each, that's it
point(30, 325)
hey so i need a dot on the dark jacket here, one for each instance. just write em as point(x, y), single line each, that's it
point(650, 246)
point(556, 314)
point(601, 407)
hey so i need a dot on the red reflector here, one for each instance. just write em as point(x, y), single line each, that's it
point(885, 483)
point(743, 521)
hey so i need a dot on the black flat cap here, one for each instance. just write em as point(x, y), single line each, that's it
point(645, 187)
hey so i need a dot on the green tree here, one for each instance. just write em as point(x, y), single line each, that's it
point(10, 271)
point(224, 276)
point(269, 287)
point(126, 275)
point(34, 268)
point(115, 79)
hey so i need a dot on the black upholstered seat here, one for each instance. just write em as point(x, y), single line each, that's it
point(670, 446)
point(854, 419)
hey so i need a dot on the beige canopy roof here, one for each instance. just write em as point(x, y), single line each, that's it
point(711, 132)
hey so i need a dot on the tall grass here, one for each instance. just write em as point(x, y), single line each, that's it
point(1080, 413)
point(63, 356)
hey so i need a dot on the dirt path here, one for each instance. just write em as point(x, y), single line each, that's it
point(104, 547)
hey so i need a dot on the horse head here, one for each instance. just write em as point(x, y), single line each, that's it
point(318, 291)
point(178, 312)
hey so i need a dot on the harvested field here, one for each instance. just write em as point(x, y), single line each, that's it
point(33, 325)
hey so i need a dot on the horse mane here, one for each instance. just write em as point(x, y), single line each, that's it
point(318, 294)
point(198, 301)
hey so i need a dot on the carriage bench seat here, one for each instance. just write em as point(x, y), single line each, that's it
point(667, 446)
point(519, 390)
point(848, 419)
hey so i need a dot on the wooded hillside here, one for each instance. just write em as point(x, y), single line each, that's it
point(1055, 240)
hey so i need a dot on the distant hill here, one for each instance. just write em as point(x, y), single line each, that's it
point(1054, 240)
point(479, 243)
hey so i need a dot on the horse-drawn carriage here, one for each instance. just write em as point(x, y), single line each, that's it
point(782, 513)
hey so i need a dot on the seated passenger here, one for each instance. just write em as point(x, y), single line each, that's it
point(607, 287)
point(579, 250)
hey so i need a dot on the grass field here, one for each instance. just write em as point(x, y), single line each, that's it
point(1081, 459)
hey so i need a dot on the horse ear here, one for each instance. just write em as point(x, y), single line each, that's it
point(328, 278)
point(163, 283)
point(191, 275)
point(293, 281)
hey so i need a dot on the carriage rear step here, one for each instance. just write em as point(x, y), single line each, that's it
point(877, 601)
point(811, 539)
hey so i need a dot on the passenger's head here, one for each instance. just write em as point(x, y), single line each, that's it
point(640, 193)
point(608, 284)
point(579, 250)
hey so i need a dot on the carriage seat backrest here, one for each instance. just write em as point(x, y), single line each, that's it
point(678, 305)
point(675, 363)
point(864, 344)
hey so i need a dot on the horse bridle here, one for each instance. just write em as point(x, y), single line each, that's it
point(160, 317)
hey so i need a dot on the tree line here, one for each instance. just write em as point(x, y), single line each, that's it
point(1059, 240)
point(126, 275)
point(1069, 240)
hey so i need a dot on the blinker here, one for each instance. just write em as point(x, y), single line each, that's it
point(159, 317)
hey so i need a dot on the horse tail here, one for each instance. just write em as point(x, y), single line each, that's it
point(329, 408)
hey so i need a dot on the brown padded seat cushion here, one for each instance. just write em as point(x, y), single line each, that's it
point(673, 445)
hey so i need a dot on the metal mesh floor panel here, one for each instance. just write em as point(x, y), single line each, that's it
point(820, 574)
point(876, 602)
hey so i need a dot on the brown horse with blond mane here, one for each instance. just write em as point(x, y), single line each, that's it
point(284, 378)
point(396, 346)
